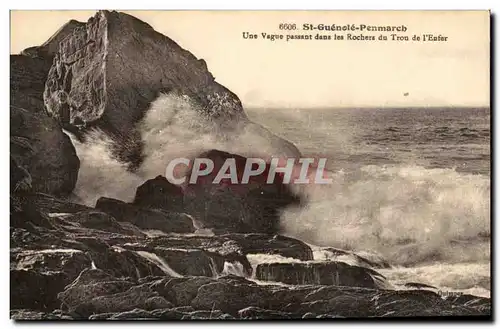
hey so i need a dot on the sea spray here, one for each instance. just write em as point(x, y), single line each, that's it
point(408, 214)
point(173, 127)
point(101, 174)
point(160, 262)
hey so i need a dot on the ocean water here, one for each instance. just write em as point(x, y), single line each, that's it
point(433, 138)
point(411, 186)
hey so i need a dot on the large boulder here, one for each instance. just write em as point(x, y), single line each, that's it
point(152, 219)
point(159, 193)
point(39, 145)
point(327, 273)
point(99, 64)
point(253, 207)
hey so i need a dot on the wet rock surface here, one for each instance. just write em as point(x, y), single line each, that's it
point(88, 265)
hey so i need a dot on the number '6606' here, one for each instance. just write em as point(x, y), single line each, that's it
point(285, 26)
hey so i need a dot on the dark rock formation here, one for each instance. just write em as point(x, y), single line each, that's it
point(89, 284)
point(241, 243)
point(135, 297)
point(255, 313)
point(328, 273)
point(123, 263)
point(159, 193)
point(231, 296)
point(119, 273)
point(35, 291)
point(276, 244)
point(99, 64)
point(29, 315)
point(37, 276)
point(102, 221)
point(135, 314)
point(373, 262)
point(69, 261)
point(233, 207)
point(181, 291)
point(145, 218)
point(44, 151)
point(207, 315)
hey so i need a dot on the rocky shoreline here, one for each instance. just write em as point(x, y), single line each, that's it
point(172, 253)
point(85, 264)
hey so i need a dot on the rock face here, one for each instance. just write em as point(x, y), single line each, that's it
point(27, 81)
point(120, 273)
point(253, 207)
point(145, 260)
point(44, 151)
point(327, 273)
point(38, 275)
point(241, 244)
point(153, 219)
point(98, 65)
point(50, 47)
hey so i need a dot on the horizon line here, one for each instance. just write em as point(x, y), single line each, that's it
point(414, 107)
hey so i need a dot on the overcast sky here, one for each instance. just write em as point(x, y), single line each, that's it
point(303, 73)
